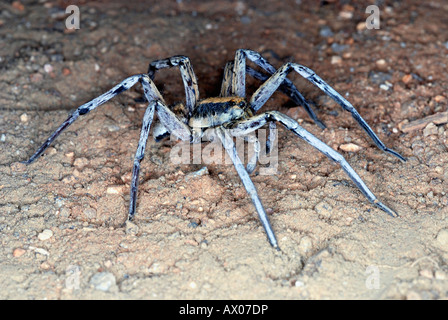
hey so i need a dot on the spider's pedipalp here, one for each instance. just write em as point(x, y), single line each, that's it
point(246, 126)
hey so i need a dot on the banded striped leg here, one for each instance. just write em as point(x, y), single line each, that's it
point(187, 74)
point(150, 91)
point(227, 91)
point(265, 91)
point(226, 85)
point(172, 124)
point(139, 155)
point(287, 87)
point(249, 125)
point(291, 91)
point(229, 145)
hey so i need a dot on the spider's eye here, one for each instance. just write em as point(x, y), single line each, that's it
point(242, 104)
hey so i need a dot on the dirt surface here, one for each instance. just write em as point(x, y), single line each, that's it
point(197, 236)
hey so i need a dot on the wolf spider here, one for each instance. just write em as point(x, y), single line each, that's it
point(230, 115)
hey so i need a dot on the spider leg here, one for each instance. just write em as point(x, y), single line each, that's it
point(291, 91)
point(246, 126)
point(229, 145)
point(226, 85)
point(270, 86)
point(139, 155)
point(287, 87)
point(187, 74)
point(171, 123)
point(150, 91)
point(252, 163)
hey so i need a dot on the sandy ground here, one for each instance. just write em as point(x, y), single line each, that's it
point(197, 236)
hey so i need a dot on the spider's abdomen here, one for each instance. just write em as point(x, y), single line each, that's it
point(213, 112)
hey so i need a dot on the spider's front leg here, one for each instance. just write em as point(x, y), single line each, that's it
point(229, 145)
point(266, 90)
point(246, 126)
point(172, 124)
point(188, 77)
point(234, 81)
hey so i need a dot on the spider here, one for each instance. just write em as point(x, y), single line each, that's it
point(230, 115)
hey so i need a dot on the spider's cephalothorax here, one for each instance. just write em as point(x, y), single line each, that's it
point(231, 114)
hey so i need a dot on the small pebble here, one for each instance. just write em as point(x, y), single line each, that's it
point(440, 275)
point(350, 147)
point(24, 117)
point(201, 172)
point(323, 208)
point(430, 129)
point(45, 235)
point(36, 77)
point(131, 228)
point(442, 238)
point(3, 137)
point(305, 244)
point(326, 32)
point(103, 281)
point(114, 190)
point(66, 71)
point(361, 26)
point(48, 68)
point(89, 213)
point(407, 78)
point(384, 87)
point(381, 64)
point(81, 162)
point(70, 155)
point(18, 252)
point(41, 251)
point(426, 273)
point(336, 60)
point(346, 15)
point(439, 98)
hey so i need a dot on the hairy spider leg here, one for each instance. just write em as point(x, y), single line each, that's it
point(139, 155)
point(290, 90)
point(287, 87)
point(171, 123)
point(226, 84)
point(229, 145)
point(265, 91)
point(150, 90)
point(252, 163)
point(188, 77)
point(227, 91)
point(249, 125)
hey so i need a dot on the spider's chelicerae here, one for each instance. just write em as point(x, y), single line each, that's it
point(229, 115)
